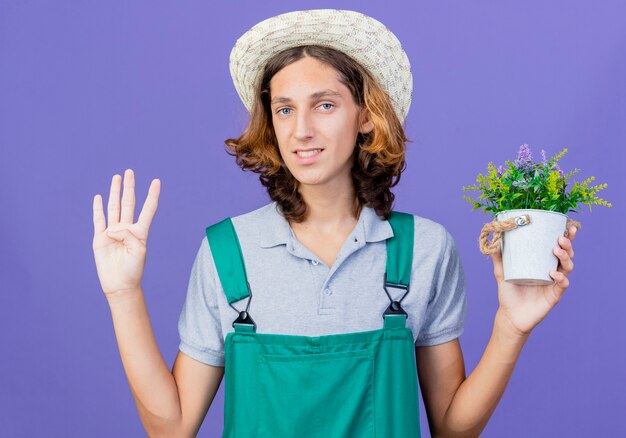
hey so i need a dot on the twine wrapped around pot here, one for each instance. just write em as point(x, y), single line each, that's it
point(499, 228)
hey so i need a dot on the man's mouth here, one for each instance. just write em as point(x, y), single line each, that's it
point(308, 153)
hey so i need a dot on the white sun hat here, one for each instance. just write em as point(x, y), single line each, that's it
point(363, 38)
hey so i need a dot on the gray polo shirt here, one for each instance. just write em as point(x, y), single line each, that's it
point(294, 292)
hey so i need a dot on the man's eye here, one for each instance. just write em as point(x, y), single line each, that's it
point(280, 111)
point(329, 104)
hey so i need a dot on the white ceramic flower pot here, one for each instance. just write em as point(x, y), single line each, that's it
point(527, 255)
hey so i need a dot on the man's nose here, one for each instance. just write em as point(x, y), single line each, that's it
point(304, 125)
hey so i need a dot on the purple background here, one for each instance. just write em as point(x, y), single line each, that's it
point(88, 89)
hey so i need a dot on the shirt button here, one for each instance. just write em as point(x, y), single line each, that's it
point(315, 262)
point(328, 292)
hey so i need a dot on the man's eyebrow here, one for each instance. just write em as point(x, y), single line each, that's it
point(325, 93)
point(314, 96)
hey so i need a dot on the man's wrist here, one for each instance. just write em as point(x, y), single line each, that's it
point(507, 335)
point(122, 297)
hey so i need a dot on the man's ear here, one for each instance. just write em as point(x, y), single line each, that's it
point(365, 124)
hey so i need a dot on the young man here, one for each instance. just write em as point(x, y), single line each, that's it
point(338, 299)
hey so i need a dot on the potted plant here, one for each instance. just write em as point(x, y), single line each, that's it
point(530, 204)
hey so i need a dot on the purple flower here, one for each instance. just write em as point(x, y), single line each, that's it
point(524, 156)
point(558, 169)
point(499, 173)
point(518, 183)
point(543, 156)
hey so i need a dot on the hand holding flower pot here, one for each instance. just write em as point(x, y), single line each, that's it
point(530, 205)
point(523, 306)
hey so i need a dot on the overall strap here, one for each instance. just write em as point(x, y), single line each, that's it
point(231, 269)
point(399, 265)
point(400, 248)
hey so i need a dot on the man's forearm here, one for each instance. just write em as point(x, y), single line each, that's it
point(151, 382)
point(477, 397)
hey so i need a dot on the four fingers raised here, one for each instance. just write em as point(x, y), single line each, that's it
point(128, 203)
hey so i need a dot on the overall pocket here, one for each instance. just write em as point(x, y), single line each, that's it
point(316, 395)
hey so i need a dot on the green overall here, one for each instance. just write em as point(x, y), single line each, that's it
point(361, 384)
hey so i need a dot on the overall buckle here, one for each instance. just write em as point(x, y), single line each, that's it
point(244, 317)
point(395, 308)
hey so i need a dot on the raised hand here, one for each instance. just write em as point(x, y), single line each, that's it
point(119, 247)
point(526, 306)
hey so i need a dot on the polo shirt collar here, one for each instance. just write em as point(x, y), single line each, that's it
point(369, 228)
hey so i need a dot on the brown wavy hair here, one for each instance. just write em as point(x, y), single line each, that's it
point(379, 156)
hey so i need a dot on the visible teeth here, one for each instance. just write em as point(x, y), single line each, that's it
point(308, 153)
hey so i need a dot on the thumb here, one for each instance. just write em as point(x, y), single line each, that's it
point(496, 256)
point(498, 270)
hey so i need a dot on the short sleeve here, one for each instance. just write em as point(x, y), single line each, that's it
point(447, 307)
point(199, 326)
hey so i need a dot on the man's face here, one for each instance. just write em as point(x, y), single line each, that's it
point(316, 122)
